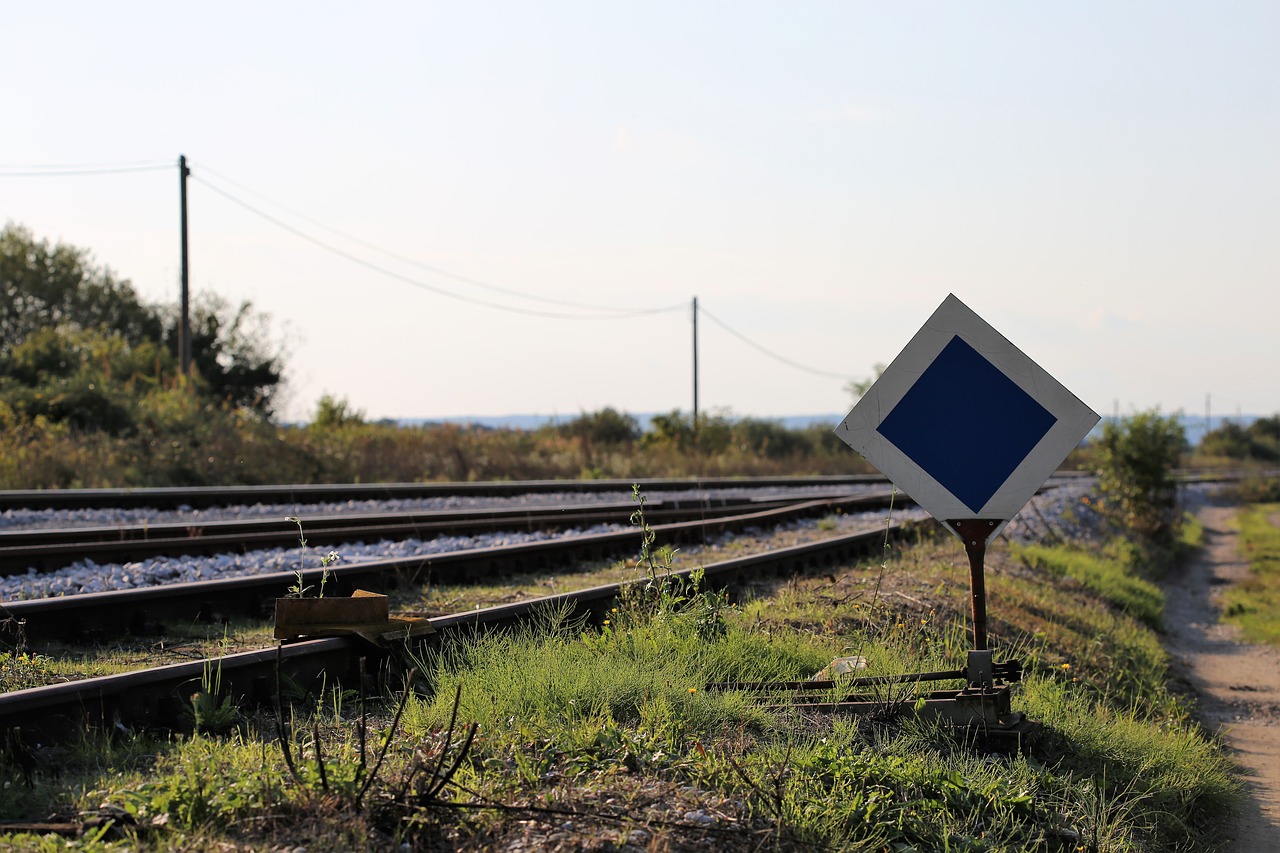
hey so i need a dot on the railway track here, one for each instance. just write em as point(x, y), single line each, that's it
point(198, 497)
point(48, 549)
point(155, 697)
point(145, 611)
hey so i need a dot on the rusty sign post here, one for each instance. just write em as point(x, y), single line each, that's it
point(970, 428)
point(973, 532)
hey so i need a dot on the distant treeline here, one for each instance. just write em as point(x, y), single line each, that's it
point(92, 395)
point(181, 439)
point(1258, 442)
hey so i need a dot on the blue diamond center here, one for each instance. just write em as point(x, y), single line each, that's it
point(966, 424)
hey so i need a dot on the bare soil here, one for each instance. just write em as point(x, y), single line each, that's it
point(1237, 684)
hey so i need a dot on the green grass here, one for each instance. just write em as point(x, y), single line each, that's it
point(610, 731)
point(1111, 579)
point(33, 665)
point(1254, 605)
point(567, 679)
point(845, 789)
point(580, 704)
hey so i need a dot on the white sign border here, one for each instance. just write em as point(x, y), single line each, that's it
point(954, 319)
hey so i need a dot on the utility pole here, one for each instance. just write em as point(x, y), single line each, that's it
point(184, 322)
point(695, 365)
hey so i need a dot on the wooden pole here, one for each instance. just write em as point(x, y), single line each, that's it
point(695, 365)
point(184, 322)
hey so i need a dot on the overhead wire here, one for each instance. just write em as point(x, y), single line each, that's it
point(722, 324)
point(614, 314)
point(55, 170)
point(601, 312)
point(413, 261)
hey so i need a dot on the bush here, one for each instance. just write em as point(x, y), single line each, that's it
point(1260, 441)
point(1135, 461)
point(56, 306)
point(605, 427)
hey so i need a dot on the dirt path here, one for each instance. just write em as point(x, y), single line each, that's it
point(1238, 684)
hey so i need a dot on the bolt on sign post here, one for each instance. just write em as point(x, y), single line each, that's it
point(970, 428)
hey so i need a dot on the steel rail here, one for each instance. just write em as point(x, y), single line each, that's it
point(156, 697)
point(208, 496)
point(49, 549)
point(144, 611)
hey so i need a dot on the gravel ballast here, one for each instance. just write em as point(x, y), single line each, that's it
point(1066, 511)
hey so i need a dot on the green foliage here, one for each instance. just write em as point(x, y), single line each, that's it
point(84, 378)
point(858, 388)
point(607, 427)
point(747, 439)
point(210, 710)
point(1111, 579)
point(572, 715)
point(1259, 441)
point(1130, 777)
point(332, 412)
point(1080, 619)
point(79, 339)
point(1120, 765)
point(21, 669)
point(167, 432)
point(769, 439)
point(90, 393)
point(672, 430)
point(663, 592)
point(346, 776)
point(563, 682)
point(1254, 604)
point(44, 286)
point(299, 590)
point(1135, 461)
point(201, 783)
point(843, 791)
point(232, 352)
point(1259, 488)
point(212, 713)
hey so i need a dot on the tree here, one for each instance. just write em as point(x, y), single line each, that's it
point(233, 353)
point(858, 388)
point(676, 431)
point(84, 378)
point(1230, 440)
point(1259, 441)
point(1266, 429)
point(333, 412)
point(43, 286)
point(46, 287)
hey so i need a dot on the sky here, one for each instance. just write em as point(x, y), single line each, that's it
point(432, 202)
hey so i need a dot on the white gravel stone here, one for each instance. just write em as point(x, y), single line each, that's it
point(1063, 509)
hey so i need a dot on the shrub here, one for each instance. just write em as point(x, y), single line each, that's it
point(1135, 461)
point(1260, 441)
point(605, 427)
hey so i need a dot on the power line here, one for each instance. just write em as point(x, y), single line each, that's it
point(615, 314)
point(413, 262)
point(768, 352)
point(603, 312)
point(57, 170)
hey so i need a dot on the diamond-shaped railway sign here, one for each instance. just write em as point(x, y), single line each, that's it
point(965, 423)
